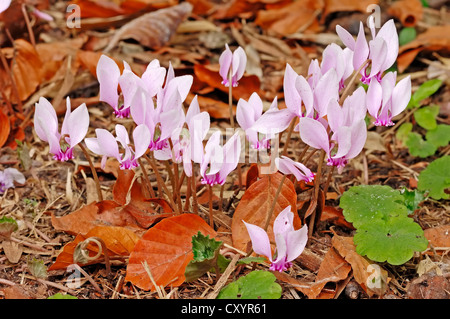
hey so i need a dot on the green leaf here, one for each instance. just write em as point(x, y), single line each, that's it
point(406, 35)
point(426, 116)
point(62, 296)
point(403, 131)
point(259, 284)
point(425, 90)
point(365, 203)
point(440, 136)
point(7, 226)
point(418, 146)
point(412, 199)
point(206, 252)
point(435, 179)
point(394, 240)
point(251, 259)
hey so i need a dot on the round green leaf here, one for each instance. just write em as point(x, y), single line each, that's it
point(394, 240)
point(436, 178)
point(259, 284)
point(365, 203)
point(406, 35)
point(418, 146)
point(440, 136)
point(426, 116)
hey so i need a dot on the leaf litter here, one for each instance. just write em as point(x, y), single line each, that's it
point(63, 63)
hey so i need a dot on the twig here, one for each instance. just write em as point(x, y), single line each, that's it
point(94, 172)
point(223, 279)
point(88, 277)
point(28, 23)
point(272, 208)
point(352, 80)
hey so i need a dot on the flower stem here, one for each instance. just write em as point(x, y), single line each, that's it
point(147, 179)
point(352, 80)
point(316, 191)
point(161, 183)
point(288, 138)
point(194, 189)
point(211, 213)
point(272, 208)
point(94, 172)
point(230, 98)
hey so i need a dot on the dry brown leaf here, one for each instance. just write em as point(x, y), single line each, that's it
point(438, 236)
point(298, 15)
point(153, 29)
point(332, 6)
point(255, 205)
point(434, 39)
point(408, 12)
point(363, 269)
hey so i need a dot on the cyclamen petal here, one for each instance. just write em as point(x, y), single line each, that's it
point(313, 133)
point(108, 74)
point(232, 61)
point(4, 4)
point(287, 166)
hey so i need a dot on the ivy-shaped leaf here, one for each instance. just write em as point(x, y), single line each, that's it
point(427, 89)
point(62, 296)
point(406, 35)
point(259, 284)
point(426, 116)
point(435, 179)
point(206, 253)
point(394, 240)
point(403, 131)
point(440, 136)
point(365, 203)
point(418, 146)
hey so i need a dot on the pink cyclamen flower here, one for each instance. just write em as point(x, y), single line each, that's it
point(218, 161)
point(247, 113)
point(105, 144)
point(388, 99)
point(234, 63)
point(382, 50)
point(290, 243)
point(287, 166)
point(8, 177)
point(73, 130)
point(348, 140)
point(188, 142)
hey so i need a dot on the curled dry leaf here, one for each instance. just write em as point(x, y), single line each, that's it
point(409, 12)
point(166, 248)
point(130, 208)
point(435, 38)
point(25, 69)
point(5, 128)
point(255, 205)
point(153, 29)
point(364, 270)
point(119, 241)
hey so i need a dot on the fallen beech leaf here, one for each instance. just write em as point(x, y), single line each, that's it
point(25, 69)
point(291, 18)
point(334, 215)
point(333, 268)
point(255, 205)
point(332, 6)
point(118, 240)
point(438, 236)
point(209, 74)
point(436, 38)
point(364, 270)
point(409, 12)
point(167, 249)
point(252, 175)
point(153, 29)
point(5, 127)
point(217, 109)
point(130, 208)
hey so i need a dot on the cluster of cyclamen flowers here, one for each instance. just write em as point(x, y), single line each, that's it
point(329, 118)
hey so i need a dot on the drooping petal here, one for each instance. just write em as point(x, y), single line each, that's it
point(304, 90)
point(238, 65)
point(107, 143)
point(108, 74)
point(78, 124)
point(225, 63)
point(378, 51)
point(292, 97)
point(45, 120)
point(231, 155)
point(284, 221)
point(401, 96)
point(335, 115)
point(4, 4)
point(273, 121)
point(296, 242)
point(327, 88)
point(388, 33)
point(153, 77)
point(374, 98)
point(193, 110)
point(244, 114)
point(141, 138)
point(343, 137)
point(345, 37)
point(361, 50)
point(358, 138)
point(14, 175)
point(260, 240)
point(314, 134)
